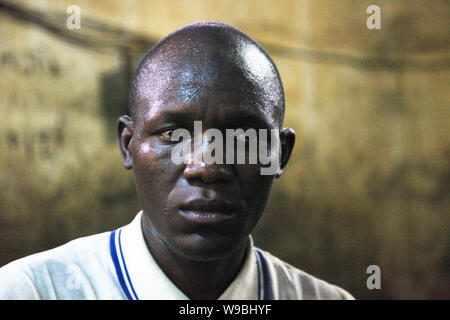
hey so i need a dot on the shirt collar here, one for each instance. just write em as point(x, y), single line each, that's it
point(142, 278)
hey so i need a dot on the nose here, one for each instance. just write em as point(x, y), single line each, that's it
point(207, 173)
point(202, 169)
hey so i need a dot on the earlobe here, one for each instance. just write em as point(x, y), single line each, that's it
point(125, 127)
point(287, 140)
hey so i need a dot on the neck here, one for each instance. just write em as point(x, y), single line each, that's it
point(204, 280)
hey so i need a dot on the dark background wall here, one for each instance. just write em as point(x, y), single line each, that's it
point(369, 179)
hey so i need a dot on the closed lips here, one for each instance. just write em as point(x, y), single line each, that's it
point(210, 206)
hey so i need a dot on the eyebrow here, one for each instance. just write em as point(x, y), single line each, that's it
point(169, 117)
point(236, 119)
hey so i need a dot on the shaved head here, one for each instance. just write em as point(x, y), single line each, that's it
point(208, 56)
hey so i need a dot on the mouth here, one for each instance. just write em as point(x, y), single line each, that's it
point(206, 211)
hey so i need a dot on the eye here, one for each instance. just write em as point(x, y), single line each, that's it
point(167, 134)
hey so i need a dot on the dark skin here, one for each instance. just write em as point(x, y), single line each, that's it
point(218, 86)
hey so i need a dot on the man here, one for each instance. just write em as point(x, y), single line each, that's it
point(192, 237)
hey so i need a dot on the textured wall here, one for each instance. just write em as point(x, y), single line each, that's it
point(368, 181)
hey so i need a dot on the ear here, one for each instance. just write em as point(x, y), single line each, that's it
point(287, 140)
point(125, 127)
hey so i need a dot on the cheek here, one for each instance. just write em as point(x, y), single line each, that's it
point(256, 187)
point(149, 161)
point(148, 158)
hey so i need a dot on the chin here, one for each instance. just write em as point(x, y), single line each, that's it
point(207, 247)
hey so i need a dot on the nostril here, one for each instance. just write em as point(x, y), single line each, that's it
point(195, 181)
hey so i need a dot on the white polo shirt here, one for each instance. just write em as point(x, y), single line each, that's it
point(118, 265)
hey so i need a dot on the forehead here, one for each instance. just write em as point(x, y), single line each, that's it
point(208, 86)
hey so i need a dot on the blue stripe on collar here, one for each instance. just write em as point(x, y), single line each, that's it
point(258, 269)
point(125, 266)
point(119, 272)
point(267, 295)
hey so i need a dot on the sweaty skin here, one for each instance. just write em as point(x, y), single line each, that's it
point(197, 216)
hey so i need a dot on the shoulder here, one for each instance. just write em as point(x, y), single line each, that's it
point(54, 273)
point(289, 282)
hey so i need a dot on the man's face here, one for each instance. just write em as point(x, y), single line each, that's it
point(198, 210)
